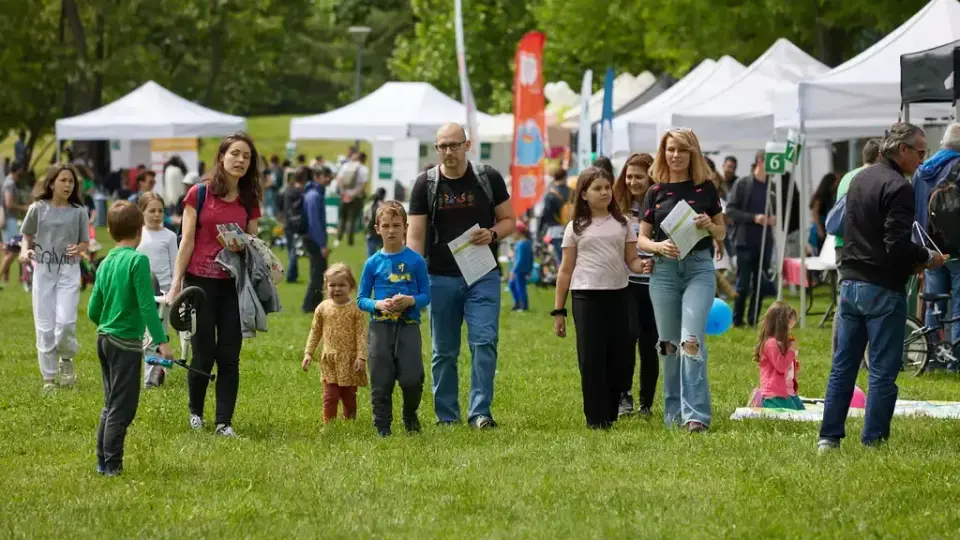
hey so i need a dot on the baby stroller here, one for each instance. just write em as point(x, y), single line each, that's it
point(182, 317)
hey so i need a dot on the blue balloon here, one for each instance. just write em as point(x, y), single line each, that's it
point(720, 318)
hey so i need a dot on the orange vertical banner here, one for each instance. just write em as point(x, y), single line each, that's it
point(529, 125)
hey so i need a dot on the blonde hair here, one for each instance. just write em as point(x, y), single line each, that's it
point(389, 209)
point(144, 201)
point(342, 270)
point(698, 170)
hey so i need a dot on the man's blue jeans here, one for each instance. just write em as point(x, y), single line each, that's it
point(943, 280)
point(292, 272)
point(867, 313)
point(451, 303)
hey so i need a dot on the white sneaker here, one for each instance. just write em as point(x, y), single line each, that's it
point(224, 430)
point(68, 376)
point(196, 422)
point(49, 387)
point(825, 446)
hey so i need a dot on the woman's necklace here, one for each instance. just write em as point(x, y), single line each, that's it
point(601, 221)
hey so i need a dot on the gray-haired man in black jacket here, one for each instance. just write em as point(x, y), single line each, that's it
point(878, 258)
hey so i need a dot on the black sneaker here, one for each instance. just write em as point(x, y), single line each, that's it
point(483, 422)
point(412, 425)
point(645, 411)
point(113, 470)
point(626, 405)
point(384, 432)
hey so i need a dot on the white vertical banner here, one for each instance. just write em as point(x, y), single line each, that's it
point(584, 149)
point(466, 93)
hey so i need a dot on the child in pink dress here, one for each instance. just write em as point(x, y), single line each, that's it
point(776, 354)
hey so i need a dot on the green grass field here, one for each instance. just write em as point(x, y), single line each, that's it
point(270, 133)
point(542, 474)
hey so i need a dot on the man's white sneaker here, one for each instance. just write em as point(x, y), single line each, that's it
point(196, 422)
point(68, 377)
point(49, 387)
point(825, 446)
point(224, 430)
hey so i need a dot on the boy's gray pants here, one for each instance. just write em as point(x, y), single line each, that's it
point(394, 355)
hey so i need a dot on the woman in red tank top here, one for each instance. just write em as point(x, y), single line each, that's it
point(233, 195)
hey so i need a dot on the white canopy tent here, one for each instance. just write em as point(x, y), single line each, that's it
point(626, 88)
point(149, 112)
point(741, 115)
point(643, 124)
point(861, 97)
point(621, 144)
point(398, 110)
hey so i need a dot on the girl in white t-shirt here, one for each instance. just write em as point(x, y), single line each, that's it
point(596, 244)
point(159, 244)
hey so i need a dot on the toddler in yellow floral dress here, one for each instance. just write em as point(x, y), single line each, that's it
point(342, 327)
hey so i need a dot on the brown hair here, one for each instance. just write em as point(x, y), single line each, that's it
point(776, 324)
point(342, 270)
point(43, 190)
point(144, 201)
point(389, 209)
point(124, 220)
point(142, 176)
point(250, 192)
point(581, 210)
point(621, 193)
point(698, 170)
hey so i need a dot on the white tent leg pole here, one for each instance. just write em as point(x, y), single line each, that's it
point(804, 226)
point(763, 244)
point(906, 112)
point(58, 150)
point(784, 230)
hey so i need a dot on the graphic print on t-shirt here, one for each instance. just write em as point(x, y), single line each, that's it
point(451, 199)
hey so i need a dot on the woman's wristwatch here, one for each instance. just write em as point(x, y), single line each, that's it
point(561, 312)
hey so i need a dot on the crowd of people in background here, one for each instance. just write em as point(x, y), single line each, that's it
point(633, 291)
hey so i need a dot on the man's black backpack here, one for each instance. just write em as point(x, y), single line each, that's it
point(944, 212)
point(294, 210)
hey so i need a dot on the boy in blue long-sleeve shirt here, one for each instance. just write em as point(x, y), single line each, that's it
point(522, 266)
point(394, 287)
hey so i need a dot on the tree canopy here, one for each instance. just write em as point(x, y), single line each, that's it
point(255, 57)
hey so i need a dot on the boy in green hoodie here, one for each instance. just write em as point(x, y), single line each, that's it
point(121, 305)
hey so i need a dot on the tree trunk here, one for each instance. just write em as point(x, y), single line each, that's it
point(830, 42)
point(216, 49)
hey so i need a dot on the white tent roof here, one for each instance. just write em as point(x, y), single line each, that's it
point(621, 144)
point(397, 109)
point(642, 123)
point(861, 97)
point(497, 128)
point(626, 88)
point(742, 114)
point(149, 112)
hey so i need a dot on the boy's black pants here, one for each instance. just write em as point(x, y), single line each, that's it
point(120, 369)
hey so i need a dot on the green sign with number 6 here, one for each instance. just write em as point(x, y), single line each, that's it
point(775, 160)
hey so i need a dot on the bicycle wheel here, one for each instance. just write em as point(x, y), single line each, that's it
point(916, 348)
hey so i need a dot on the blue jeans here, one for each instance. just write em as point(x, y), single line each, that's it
point(374, 243)
point(451, 303)
point(557, 244)
point(867, 313)
point(270, 201)
point(943, 280)
point(682, 293)
point(292, 273)
point(518, 289)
